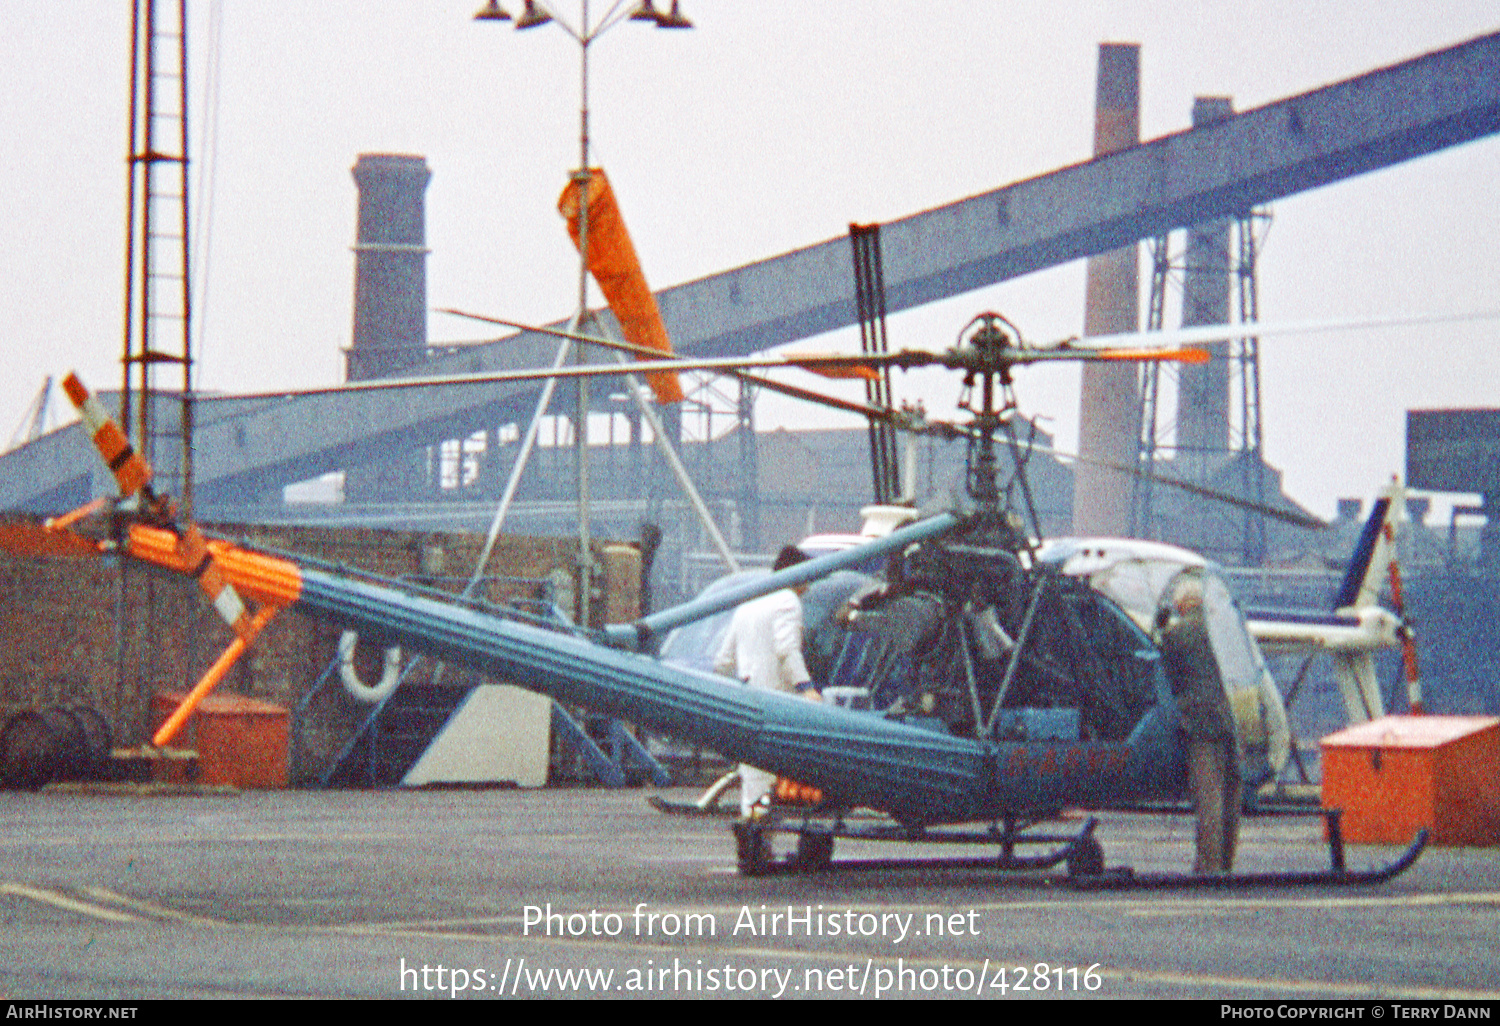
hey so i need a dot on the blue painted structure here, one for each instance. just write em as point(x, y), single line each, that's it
point(251, 447)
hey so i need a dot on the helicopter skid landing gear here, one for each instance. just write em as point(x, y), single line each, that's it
point(815, 841)
point(752, 844)
point(1081, 853)
point(1336, 875)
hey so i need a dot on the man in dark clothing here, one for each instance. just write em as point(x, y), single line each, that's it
point(1207, 723)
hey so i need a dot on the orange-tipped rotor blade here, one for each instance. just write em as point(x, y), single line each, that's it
point(1188, 354)
point(27, 538)
point(190, 552)
point(613, 263)
point(131, 472)
point(839, 370)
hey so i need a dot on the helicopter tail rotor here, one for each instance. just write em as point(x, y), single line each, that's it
point(1376, 563)
point(1405, 632)
point(159, 537)
point(1409, 671)
point(132, 473)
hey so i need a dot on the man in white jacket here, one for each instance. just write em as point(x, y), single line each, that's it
point(764, 649)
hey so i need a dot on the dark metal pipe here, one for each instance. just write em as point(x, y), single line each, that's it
point(641, 634)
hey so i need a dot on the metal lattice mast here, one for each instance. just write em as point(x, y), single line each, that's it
point(1242, 437)
point(157, 312)
point(1142, 519)
point(158, 302)
point(1215, 438)
point(749, 497)
point(1251, 453)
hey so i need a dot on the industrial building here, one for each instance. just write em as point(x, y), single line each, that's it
point(436, 457)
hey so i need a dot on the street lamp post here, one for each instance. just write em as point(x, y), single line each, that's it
point(584, 33)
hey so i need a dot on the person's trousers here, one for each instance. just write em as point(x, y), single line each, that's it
point(754, 785)
point(1214, 785)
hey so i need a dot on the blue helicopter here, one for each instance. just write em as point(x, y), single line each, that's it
point(1000, 688)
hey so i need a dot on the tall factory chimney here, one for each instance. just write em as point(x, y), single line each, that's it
point(390, 265)
point(1109, 423)
point(390, 306)
point(1203, 390)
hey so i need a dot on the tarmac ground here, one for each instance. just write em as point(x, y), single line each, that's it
point(583, 892)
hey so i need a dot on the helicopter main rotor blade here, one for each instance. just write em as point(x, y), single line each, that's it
point(1178, 345)
point(865, 365)
point(1179, 354)
point(1292, 517)
point(905, 359)
point(833, 365)
point(640, 352)
point(541, 329)
point(806, 394)
point(1209, 333)
point(818, 364)
point(1296, 519)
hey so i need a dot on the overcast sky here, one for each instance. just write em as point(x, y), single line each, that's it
point(770, 126)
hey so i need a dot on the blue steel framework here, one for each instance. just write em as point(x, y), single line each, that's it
point(252, 446)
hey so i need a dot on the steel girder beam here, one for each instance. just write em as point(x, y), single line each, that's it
point(251, 446)
point(248, 447)
point(1363, 124)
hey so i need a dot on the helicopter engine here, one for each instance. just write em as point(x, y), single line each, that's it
point(985, 642)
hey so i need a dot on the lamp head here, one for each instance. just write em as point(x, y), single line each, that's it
point(492, 11)
point(673, 19)
point(532, 17)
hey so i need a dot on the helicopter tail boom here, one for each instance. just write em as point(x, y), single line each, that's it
point(922, 776)
point(856, 757)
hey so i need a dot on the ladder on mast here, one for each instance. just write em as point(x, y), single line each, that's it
point(158, 302)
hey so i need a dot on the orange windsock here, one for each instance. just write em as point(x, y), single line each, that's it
point(614, 265)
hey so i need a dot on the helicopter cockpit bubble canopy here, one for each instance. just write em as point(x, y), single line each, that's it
point(1140, 577)
point(1135, 575)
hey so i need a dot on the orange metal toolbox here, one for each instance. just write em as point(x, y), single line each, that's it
point(1398, 774)
point(242, 742)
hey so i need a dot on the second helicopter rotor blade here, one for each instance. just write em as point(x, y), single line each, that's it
point(1210, 333)
point(1286, 516)
point(794, 391)
point(1292, 517)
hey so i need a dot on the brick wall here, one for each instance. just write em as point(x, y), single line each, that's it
point(83, 631)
